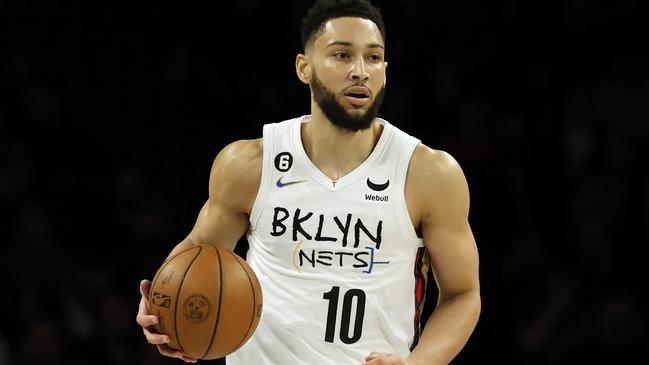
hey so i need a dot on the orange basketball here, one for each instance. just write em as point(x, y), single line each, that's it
point(208, 301)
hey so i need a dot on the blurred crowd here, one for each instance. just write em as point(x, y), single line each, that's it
point(109, 124)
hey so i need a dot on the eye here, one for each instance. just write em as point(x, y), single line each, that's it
point(341, 55)
point(376, 58)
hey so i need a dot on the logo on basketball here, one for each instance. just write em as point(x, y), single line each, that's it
point(259, 309)
point(161, 300)
point(167, 275)
point(196, 308)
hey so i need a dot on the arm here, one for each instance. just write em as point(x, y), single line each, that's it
point(438, 202)
point(443, 211)
point(222, 221)
point(233, 185)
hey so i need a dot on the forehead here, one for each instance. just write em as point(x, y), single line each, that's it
point(357, 31)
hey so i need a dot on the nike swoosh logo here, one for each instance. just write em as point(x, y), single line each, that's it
point(377, 187)
point(281, 184)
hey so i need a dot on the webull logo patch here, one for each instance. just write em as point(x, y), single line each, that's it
point(376, 198)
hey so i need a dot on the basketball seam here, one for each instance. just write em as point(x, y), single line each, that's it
point(178, 253)
point(254, 304)
point(178, 297)
point(218, 312)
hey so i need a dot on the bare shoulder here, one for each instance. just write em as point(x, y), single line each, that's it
point(240, 157)
point(236, 173)
point(437, 180)
point(430, 165)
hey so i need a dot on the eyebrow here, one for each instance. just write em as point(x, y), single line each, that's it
point(349, 44)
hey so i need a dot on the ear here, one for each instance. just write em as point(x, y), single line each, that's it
point(303, 68)
point(385, 75)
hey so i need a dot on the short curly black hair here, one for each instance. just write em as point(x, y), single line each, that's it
point(324, 10)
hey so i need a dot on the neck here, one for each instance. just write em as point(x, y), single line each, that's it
point(336, 151)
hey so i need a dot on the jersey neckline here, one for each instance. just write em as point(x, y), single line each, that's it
point(353, 175)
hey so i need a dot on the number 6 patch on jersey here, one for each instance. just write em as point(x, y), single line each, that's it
point(283, 161)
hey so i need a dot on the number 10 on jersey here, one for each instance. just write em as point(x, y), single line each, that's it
point(332, 314)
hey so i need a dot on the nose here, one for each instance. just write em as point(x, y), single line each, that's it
point(359, 70)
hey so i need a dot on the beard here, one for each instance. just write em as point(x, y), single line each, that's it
point(337, 114)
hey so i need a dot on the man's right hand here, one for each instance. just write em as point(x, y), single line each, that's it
point(146, 320)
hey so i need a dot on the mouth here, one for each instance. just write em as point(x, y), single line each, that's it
point(357, 95)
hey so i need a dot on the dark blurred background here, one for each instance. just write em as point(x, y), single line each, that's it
point(112, 113)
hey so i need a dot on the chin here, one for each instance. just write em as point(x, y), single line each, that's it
point(356, 113)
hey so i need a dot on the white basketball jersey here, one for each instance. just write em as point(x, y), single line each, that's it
point(340, 265)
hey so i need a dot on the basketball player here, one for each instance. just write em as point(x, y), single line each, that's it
point(344, 214)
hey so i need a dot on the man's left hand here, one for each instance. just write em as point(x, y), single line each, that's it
point(384, 358)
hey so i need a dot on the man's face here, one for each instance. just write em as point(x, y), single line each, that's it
point(348, 72)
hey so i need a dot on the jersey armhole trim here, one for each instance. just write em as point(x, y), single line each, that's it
point(400, 206)
point(264, 185)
